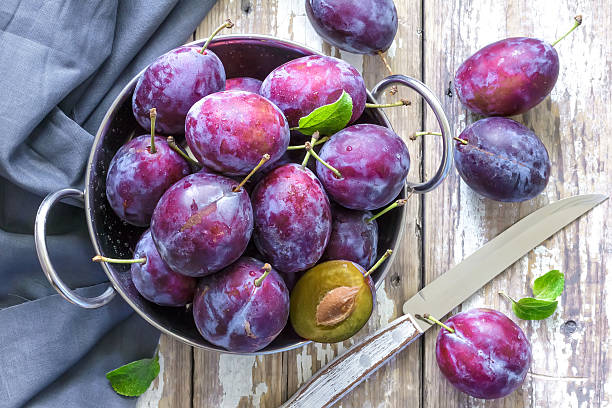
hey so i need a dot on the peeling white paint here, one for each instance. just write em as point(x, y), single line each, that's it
point(236, 378)
point(304, 366)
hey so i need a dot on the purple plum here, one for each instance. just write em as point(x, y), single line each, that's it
point(360, 27)
point(173, 83)
point(243, 84)
point(230, 131)
point(292, 218)
point(155, 281)
point(503, 160)
point(373, 162)
point(300, 86)
point(487, 356)
point(507, 77)
point(201, 225)
point(238, 310)
point(353, 238)
point(137, 178)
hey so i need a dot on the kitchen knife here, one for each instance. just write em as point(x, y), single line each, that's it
point(438, 298)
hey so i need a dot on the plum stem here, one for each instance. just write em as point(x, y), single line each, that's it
point(172, 143)
point(577, 22)
point(313, 140)
point(228, 24)
point(318, 142)
point(323, 162)
point(379, 262)
point(436, 321)
point(266, 268)
point(153, 116)
point(417, 134)
point(399, 203)
point(402, 102)
point(393, 90)
point(100, 258)
point(264, 159)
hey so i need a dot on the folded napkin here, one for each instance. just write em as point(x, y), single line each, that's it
point(62, 62)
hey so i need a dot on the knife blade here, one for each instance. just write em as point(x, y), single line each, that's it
point(438, 298)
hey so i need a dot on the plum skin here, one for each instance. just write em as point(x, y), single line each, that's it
point(487, 357)
point(373, 162)
point(231, 312)
point(230, 131)
point(243, 84)
point(173, 83)
point(137, 178)
point(503, 160)
point(200, 225)
point(507, 77)
point(300, 86)
point(292, 218)
point(360, 27)
point(155, 281)
point(353, 238)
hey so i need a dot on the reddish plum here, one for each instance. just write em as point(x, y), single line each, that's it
point(304, 84)
point(230, 131)
point(353, 238)
point(361, 27)
point(373, 162)
point(487, 356)
point(292, 218)
point(240, 308)
point(173, 83)
point(507, 77)
point(243, 84)
point(137, 178)
point(503, 160)
point(201, 225)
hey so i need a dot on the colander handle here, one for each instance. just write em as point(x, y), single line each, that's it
point(436, 106)
point(40, 239)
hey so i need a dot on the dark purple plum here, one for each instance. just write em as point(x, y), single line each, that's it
point(201, 225)
point(243, 84)
point(137, 178)
point(230, 131)
point(300, 86)
point(155, 281)
point(503, 160)
point(173, 83)
point(361, 27)
point(353, 238)
point(487, 356)
point(292, 218)
point(507, 77)
point(373, 162)
point(239, 308)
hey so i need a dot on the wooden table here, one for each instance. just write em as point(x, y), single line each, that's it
point(571, 364)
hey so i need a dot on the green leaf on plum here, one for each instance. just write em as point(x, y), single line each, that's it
point(546, 289)
point(133, 379)
point(328, 119)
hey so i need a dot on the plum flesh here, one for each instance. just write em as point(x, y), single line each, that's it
point(507, 77)
point(503, 160)
point(230, 311)
point(360, 27)
point(487, 356)
point(137, 178)
point(155, 281)
point(172, 84)
point(201, 225)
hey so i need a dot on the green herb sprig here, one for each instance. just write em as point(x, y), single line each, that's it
point(546, 289)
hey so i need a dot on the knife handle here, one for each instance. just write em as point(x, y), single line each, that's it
point(344, 373)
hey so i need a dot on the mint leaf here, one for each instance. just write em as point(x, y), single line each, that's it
point(134, 378)
point(534, 309)
point(549, 286)
point(328, 119)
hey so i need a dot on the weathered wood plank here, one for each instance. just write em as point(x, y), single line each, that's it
point(571, 364)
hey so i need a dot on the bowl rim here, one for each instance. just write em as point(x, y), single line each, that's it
point(111, 111)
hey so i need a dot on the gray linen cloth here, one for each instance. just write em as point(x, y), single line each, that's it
point(61, 64)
